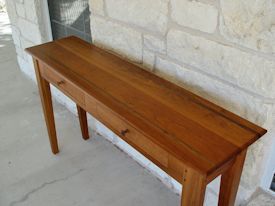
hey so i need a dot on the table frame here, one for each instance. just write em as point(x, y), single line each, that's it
point(194, 182)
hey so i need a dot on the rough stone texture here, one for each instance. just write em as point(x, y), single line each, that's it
point(30, 31)
point(250, 23)
point(16, 36)
point(228, 63)
point(11, 9)
point(261, 198)
point(125, 41)
point(2, 6)
point(25, 43)
point(150, 15)
point(32, 7)
point(154, 43)
point(25, 26)
point(167, 69)
point(20, 10)
point(97, 6)
point(26, 31)
point(148, 59)
point(196, 15)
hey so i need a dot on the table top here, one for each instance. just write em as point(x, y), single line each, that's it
point(196, 131)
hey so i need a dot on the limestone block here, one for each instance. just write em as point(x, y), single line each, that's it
point(30, 31)
point(115, 37)
point(16, 36)
point(97, 7)
point(32, 7)
point(148, 59)
point(250, 23)
point(196, 15)
point(11, 9)
point(254, 167)
point(19, 51)
point(26, 68)
point(151, 15)
point(167, 69)
point(246, 70)
point(262, 199)
point(155, 44)
point(20, 10)
point(25, 44)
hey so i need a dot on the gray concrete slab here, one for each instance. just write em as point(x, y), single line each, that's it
point(92, 172)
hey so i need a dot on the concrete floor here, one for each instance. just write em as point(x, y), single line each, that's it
point(92, 172)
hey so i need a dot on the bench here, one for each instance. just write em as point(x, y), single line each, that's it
point(190, 138)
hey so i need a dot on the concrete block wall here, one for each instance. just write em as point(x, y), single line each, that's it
point(221, 50)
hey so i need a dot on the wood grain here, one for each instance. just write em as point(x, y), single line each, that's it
point(197, 132)
point(82, 116)
point(230, 181)
point(190, 138)
point(193, 188)
point(46, 100)
point(63, 84)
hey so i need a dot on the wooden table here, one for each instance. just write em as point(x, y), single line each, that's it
point(190, 138)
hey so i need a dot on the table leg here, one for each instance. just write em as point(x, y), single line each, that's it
point(193, 188)
point(230, 181)
point(83, 122)
point(46, 99)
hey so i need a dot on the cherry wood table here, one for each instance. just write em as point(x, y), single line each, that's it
point(190, 138)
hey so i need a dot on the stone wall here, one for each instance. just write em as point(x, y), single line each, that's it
point(30, 26)
point(2, 6)
point(26, 20)
point(221, 50)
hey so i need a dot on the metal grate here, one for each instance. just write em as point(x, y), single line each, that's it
point(70, 17)
point(272, 187)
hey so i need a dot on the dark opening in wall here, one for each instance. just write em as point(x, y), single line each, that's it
point(272, 187)
point(70, 17)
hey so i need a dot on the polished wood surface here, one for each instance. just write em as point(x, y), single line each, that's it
point(46, 100)
point(182, 133)
point(65, 85)
point(230, 181)
point(193, 189)
point(83, 122)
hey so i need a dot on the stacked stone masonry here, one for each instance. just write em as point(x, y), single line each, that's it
point(26, 20)
point(222, 50)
